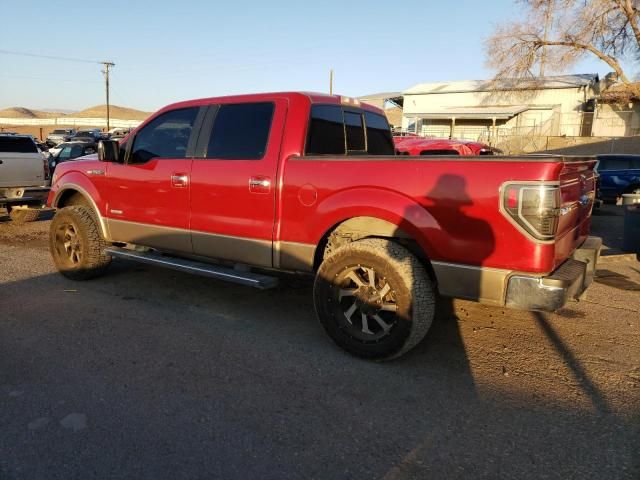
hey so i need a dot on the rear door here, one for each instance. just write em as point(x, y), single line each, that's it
point(20, 163)
point(233, 188)
point(148, 196)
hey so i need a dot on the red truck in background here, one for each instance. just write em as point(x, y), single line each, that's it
point(411, 144)
point(238, 188)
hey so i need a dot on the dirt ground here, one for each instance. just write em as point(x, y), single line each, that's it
point(149, 373)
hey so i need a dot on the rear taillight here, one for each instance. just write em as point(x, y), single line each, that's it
point(533, 207)
point(47, 172)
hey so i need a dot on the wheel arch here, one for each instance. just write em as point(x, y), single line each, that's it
point(65, 195)
point(360, 227)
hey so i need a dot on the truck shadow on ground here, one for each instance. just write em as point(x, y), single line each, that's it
point(243, 383)
point(616, 280)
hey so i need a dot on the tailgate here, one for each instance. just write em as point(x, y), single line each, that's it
point(21, 170)
point(577, 192)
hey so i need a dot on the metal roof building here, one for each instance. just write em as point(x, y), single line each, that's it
point(481, 109)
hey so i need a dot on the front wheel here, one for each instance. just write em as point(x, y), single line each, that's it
point(76, 244)
point(374, 299)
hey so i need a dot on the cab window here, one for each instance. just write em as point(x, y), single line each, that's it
point(326, 131)
point(354, 127)
point(240, 131)
point(166, 136)
point(614, 164)
point(379, 141)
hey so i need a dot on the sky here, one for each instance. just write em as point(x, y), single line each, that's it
point(166, 51)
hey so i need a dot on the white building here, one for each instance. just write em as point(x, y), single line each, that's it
point(480, 109)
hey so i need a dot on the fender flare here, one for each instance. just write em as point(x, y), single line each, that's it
point(68, 186)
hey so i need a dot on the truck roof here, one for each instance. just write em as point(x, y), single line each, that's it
point(313, 97)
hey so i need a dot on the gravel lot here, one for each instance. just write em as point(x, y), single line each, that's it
point(149, 373)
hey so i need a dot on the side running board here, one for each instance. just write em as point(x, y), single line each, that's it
point(249, 279)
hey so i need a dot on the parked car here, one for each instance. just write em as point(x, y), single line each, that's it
point(412, 144)
point(619, 174)
point(59, 135)
point(118, 133)
point(24, 176)
point(93, 135)
point(479, 148)
point(415, 145)
point(301, 182)
point(69, 151)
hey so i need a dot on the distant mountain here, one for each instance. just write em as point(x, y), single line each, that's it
point(121, 113)
point(99, 111)
point(21, 112)
point(64, 111)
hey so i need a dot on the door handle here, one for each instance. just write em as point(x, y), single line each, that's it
point(179, 180)
point(259, 184)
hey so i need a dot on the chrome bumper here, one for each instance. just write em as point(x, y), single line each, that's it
point(568, 282)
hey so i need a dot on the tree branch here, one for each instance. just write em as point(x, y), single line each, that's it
point(631, 12)
point(612, 62)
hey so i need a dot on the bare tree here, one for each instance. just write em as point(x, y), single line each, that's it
point(557, 33)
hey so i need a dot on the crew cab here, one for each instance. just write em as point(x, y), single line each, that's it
point(24, 177)
point(240, 188)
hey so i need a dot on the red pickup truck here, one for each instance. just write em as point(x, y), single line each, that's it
point(238, 188)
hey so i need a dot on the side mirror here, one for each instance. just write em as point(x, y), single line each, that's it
point(109, 151)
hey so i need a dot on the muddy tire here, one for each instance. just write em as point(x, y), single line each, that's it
point(24, 215)
point(76, 244)
point(374, 298)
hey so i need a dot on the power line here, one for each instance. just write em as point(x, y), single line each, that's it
point(50, 57)
point(105, 64)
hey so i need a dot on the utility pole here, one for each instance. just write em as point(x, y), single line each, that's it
point(331, 82)
point(107, 65)
point(548, 18)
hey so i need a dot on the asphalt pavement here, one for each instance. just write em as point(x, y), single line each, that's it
point(150, 373)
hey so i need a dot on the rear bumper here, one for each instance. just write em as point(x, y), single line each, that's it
point(34, 196)
point(567, 282)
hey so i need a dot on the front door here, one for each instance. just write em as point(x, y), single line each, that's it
point(148, 195)
point(233, 187)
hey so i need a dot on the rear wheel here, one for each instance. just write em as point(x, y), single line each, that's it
point(77, 247)
point(374, 299)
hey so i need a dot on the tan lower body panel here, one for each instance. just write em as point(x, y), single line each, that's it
point(297, 257)
point(482, 284)
point(155, 236)
point(250, 251)
point(222, 247)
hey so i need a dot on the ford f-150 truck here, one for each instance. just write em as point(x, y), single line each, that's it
point(238, 188)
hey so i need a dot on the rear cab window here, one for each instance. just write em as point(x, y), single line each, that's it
point(614, 164)
point(325, 134)
point(337, 130)
point(9, 143)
